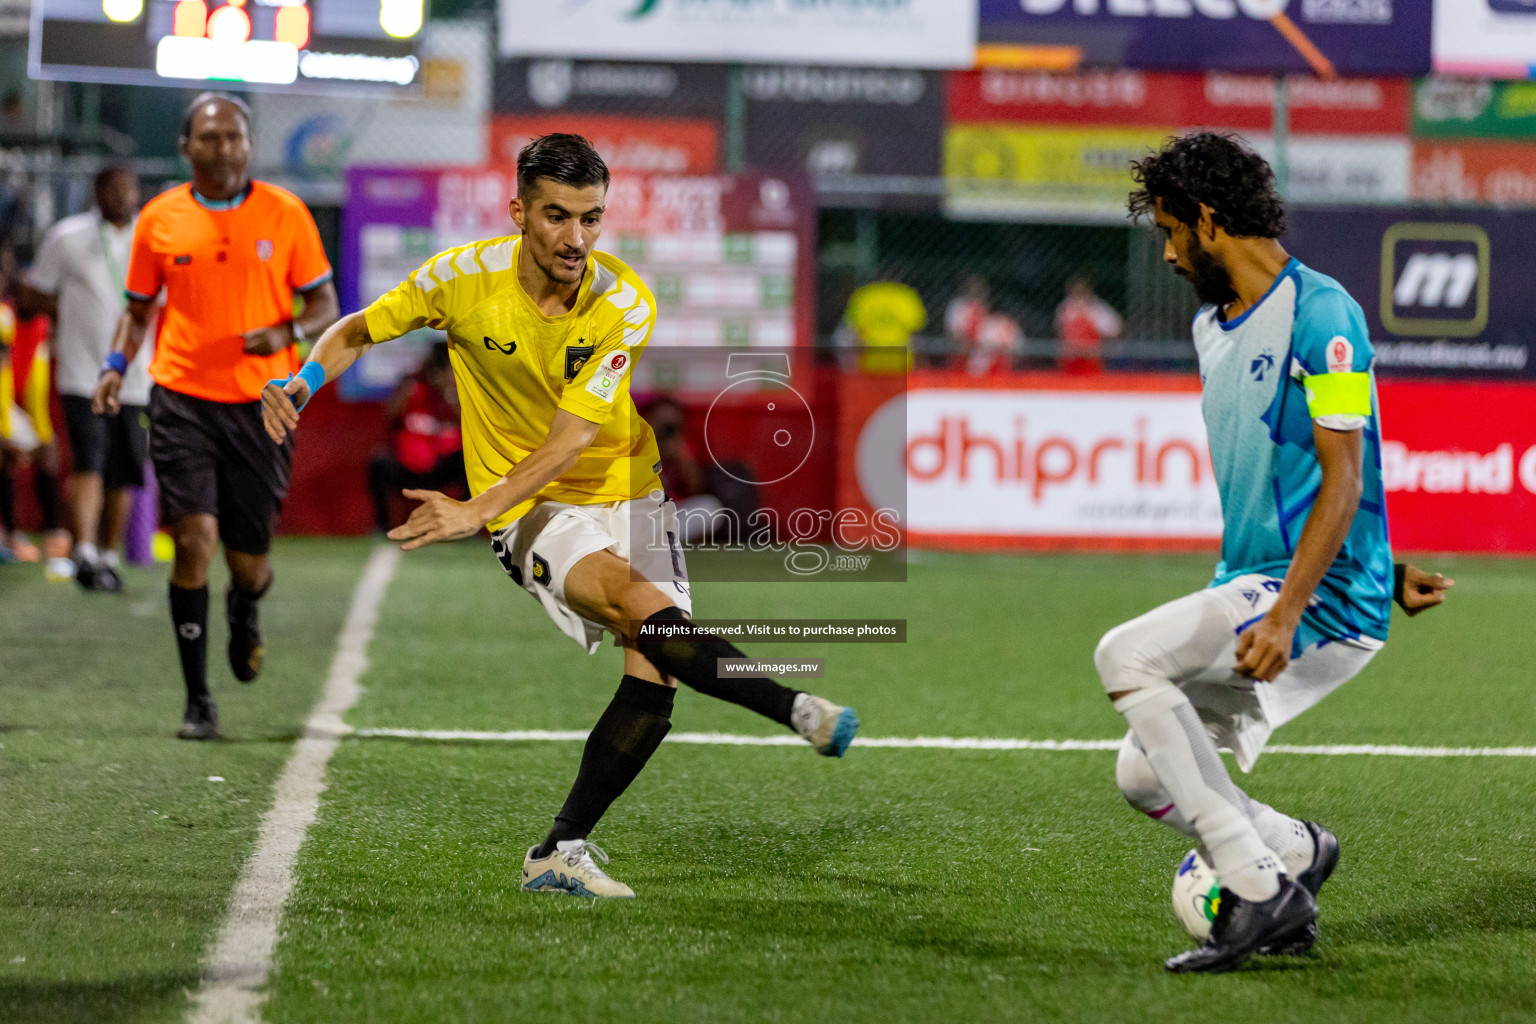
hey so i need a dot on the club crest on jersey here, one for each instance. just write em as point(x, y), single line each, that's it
point(540, 571)
point(1262, 364)
point(1341, 355)
point(263, 249)
point(505, 349)
point(576, 357)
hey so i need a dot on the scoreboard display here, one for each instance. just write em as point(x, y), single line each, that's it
point(318, 45)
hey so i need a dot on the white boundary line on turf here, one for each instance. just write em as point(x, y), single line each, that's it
point(236, 969)
point(933, 743)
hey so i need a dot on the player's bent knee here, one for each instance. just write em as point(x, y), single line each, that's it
point(1137, 781)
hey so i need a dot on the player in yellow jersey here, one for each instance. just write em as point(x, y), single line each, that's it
point(543, 335)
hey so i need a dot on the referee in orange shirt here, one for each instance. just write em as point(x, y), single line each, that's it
point(230, 253)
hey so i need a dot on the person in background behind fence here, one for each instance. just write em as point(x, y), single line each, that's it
point(426, 449)
point(26, 427)
point(1083, 323)
point(77, 281)
point(964, 314)
point(884, 315)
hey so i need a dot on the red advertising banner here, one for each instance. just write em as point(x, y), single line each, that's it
point(1463, 477)
point(629, 145)
point(1031, 461)
point(1503, 173)
point(1346, 106)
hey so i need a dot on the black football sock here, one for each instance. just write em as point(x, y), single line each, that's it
point(189, 614)
point(7, 501)
point(692, 657)
point(47, 487)
point(629, 732)
point(241, 604)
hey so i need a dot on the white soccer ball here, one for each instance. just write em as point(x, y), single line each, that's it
point(1196, 895)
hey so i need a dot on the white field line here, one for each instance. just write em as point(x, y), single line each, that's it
point(933, 743)
point(236, 969)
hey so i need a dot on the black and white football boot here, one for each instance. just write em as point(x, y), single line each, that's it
point(1243, 927)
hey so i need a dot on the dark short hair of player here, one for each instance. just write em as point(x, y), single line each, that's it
point(212, 97)
point(566, 159)
point(1216, 169)
point(106, 174)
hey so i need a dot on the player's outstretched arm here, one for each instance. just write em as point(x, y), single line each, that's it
point(1264, 649)
point(338, 348)
point(439, 517)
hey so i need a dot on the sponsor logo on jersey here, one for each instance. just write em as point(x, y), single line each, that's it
point(1340, 355)
point(576, 357)
point(264, 249)
point(505, 348)
point(608, 375)
point(1262, 364)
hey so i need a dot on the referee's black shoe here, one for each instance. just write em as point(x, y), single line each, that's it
point(1324, 859)
point(1243, 927)
point(200, 721)
point(246, 650)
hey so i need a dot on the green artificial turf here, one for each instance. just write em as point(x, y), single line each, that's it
point(117, 854)
point(892, 885)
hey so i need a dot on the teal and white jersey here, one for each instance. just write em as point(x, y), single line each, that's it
point(1300, 354)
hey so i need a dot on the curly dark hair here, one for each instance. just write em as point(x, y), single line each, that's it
point(560, 157)
point(1218, 170)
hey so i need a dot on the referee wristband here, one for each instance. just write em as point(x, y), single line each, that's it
point(117, 362)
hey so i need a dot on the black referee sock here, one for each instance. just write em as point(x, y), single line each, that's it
point(189, 614)
point(629, 732)
point(693, 659)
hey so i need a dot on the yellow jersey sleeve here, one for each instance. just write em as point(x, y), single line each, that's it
point(628, 313)
point(416, 302)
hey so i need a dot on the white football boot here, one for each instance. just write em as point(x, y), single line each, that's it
point(826, 726)
point(571, 869)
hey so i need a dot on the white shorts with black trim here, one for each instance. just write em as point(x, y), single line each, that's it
point(540, 549)
point(1193, 643)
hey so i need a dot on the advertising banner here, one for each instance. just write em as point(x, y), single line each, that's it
point(1444, 291)
point(1485, 38)
point(998, 169)
point(629, 145)
point(844, 120)
point(888, 33)
point(1360, 37)
point(314, 137)
point(1168, 99)
point(1460, 108)
point(1502, 173)
point(605, 87)
point(728, 257)
point(1123, 462)
point(1463, 479)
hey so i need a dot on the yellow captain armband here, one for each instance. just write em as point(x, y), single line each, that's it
point(1338, 394)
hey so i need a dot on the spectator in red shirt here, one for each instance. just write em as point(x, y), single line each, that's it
point(426, 450)
point(1083, 323)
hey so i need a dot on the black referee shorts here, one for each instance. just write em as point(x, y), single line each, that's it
point(113, 446)
point(215, 458)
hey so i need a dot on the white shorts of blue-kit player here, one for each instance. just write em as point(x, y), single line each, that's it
point(1192, 642)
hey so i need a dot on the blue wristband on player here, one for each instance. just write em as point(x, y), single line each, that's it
point(312, 374)
point(116, 362)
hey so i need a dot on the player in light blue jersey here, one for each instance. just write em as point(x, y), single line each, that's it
point(1301, 600)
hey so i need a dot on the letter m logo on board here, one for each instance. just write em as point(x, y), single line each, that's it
point(1434, 279)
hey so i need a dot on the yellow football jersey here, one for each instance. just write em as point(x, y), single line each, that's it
point(515, 366)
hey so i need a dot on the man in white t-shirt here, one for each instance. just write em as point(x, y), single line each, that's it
point(77, 280)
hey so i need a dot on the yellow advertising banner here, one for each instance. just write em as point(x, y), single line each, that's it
point(1069, 168)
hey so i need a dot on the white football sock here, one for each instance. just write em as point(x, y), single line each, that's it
point(110, 559)
point(1286, 836)
point(86, 553)
point(1187, 763)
